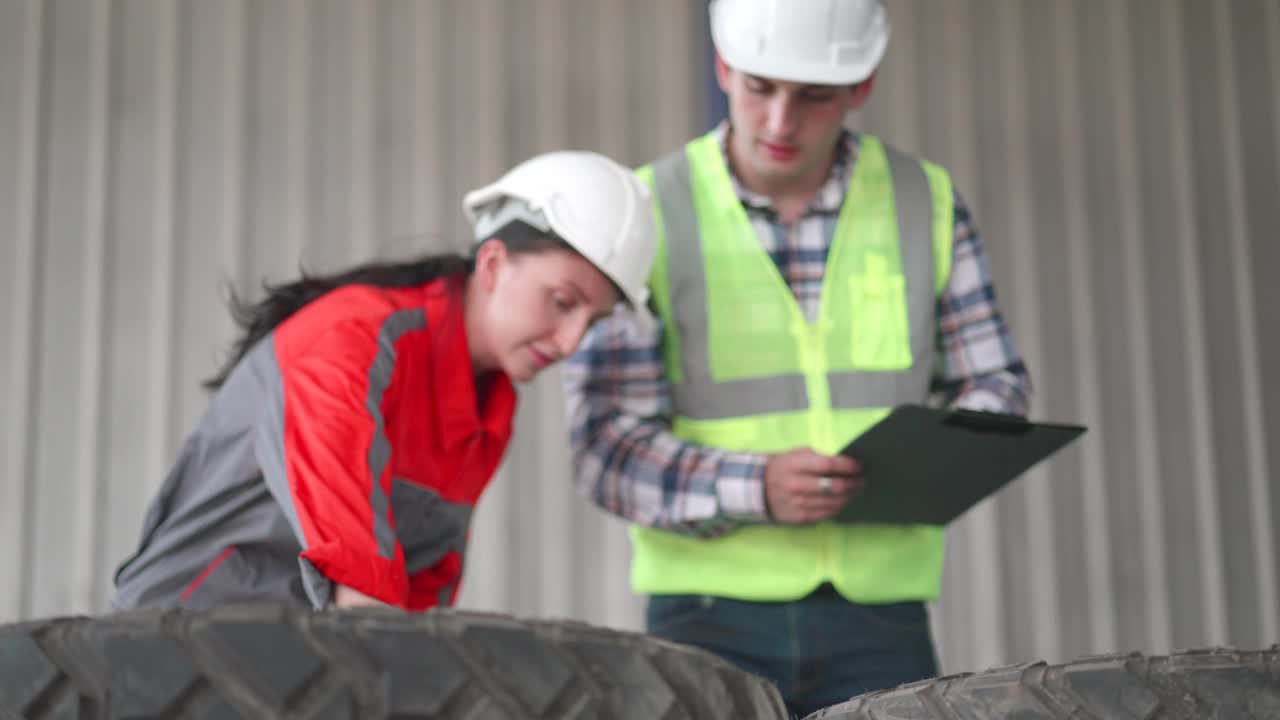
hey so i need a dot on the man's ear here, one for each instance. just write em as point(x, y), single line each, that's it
point(722, 73)
point(490, 257)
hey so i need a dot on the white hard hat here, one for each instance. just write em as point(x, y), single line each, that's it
point(824, 42)
point(597, 206)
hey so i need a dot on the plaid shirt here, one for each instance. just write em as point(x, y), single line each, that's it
point(619, 403)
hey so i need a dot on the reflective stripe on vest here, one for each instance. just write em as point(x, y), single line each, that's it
point(750, 373)
point(699, 391)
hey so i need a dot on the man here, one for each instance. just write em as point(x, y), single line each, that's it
point(807, 280)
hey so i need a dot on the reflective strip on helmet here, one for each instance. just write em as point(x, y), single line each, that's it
point(505, 210)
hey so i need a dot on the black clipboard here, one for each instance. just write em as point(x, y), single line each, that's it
point(925, 466)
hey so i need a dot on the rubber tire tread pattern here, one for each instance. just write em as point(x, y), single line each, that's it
point(275, 662)
point(1206, 684)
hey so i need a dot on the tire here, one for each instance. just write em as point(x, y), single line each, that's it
point(1215, 684)
point(273, 662)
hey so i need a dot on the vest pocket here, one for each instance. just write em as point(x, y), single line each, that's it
point(880, 330)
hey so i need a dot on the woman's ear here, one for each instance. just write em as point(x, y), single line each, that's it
point(490, 258)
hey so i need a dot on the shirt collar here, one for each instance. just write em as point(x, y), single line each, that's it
point(830, 195)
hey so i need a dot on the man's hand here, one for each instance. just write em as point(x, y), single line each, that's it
point(802, 486)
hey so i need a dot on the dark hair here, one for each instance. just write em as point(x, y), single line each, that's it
point(258, 319)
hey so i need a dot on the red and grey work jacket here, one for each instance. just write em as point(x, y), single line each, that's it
point(346, 447)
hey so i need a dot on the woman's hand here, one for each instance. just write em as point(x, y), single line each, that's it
point(345, 597)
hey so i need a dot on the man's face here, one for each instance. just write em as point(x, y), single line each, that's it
point(784, 133)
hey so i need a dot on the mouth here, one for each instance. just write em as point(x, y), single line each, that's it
point(779, 151)
point(541, 359)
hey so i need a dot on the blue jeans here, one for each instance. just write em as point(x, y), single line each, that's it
point(819, 650)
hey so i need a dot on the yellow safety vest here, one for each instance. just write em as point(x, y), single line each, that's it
point(748, 372)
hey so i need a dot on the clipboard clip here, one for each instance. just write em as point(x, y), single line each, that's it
point(981, 421)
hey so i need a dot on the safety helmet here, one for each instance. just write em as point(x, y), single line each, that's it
point(597, 206)
point(823, 42)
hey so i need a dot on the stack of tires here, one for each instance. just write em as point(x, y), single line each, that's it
point(270, 662)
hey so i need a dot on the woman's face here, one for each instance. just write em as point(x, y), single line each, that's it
point(531, 309)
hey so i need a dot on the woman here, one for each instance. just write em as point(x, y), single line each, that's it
point(362, 414)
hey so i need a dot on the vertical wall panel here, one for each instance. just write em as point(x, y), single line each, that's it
point(209, 216)
point(1164, 221)
point(294, 143)
point(335, 110)
point(1109, 190)
point(1060, 500)
point(1121, 160)
point(21, 39)
point(1132, 297)
point(65, 419)
point(1031, 564)
point(406, 147)
point(139, 237)
point(1084, 386)
point(1190, 308)
point(1214, 155)
point(1255, 49)
point(1243, 437)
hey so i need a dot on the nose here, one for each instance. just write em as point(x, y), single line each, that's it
point(569, 335)
point(781, 118)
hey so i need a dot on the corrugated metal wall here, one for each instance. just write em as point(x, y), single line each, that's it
point(1122, 158)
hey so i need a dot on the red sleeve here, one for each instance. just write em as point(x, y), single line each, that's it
point(337, 458)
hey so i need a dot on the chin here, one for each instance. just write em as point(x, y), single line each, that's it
point(772, 171)
point(521, 373)
point(783, 168)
